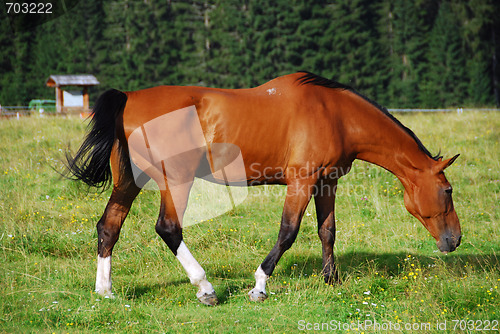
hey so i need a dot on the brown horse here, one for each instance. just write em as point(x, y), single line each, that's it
point(299, 130)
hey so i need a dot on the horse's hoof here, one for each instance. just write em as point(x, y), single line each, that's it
point(332, 278)
point(209, 299)
point(105, 294)
point(257, 296)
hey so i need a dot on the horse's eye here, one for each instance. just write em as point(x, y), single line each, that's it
point(448, 190)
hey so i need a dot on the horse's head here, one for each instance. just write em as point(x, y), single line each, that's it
point(428, 198)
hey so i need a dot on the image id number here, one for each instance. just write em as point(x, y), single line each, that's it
point(29, 8)
point(476, 325)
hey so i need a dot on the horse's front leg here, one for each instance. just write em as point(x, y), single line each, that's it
point(298, 196)
point(324, 200)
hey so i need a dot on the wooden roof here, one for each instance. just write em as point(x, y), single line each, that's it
point(72, 80)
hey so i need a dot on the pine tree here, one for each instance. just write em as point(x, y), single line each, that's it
point(228, 56)
point(21, 80)
point(445, 84)
point(311, 46)
point(7, 59)
point(407, 48)
point(189, 30)
point(480, 83)
point(357, 56)
point(495, 52)
point(479, 16)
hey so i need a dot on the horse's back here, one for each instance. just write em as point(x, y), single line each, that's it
point(278, 124)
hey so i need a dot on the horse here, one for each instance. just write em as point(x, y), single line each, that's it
point(291, 122)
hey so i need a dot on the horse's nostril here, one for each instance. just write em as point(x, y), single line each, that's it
point(453, 242)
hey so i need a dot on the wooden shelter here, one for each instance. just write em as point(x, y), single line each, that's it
point(76, 100)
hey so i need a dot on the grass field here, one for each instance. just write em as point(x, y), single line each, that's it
point(391, 269)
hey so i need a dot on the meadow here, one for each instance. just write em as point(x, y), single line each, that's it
point(392, 273)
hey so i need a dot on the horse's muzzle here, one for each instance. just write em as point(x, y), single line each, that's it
point(448, 242)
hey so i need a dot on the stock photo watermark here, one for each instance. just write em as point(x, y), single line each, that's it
point(390, 326)
point(172, 149)
point(26, 15)
point(175, 152)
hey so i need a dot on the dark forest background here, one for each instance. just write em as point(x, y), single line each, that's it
point(401, 53)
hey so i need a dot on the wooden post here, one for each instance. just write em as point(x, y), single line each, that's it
point(59, 100)
point(85, 99)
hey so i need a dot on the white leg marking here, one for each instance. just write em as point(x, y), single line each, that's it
point(103, 277)
point(194, 271)
point(259, 292)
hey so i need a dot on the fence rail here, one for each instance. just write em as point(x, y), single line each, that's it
point(17, 111)
point(20, 111)
point(457, 110)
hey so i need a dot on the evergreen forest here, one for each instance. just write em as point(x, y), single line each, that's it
point(400, 53)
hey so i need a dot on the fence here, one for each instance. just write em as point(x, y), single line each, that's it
point(18, 112)
point(457, 110)
point(22, 111)
point(14, 112)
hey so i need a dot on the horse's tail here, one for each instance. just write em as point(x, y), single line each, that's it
point(91, 162)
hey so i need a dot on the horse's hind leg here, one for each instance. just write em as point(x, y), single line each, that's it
point(324, 201)
point(109, 226)
point(169, 227)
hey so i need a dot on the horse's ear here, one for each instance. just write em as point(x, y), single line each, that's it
point(441, 164)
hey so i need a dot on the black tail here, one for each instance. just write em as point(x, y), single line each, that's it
point(91, 162)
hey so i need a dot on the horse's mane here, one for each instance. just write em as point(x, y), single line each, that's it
point(313, 79)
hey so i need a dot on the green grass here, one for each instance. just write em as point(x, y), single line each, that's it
point(391, 270)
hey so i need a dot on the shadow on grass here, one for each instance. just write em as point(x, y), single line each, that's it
point(392, 264)
point(224, 291)
point(142, 290)
point(350, 264)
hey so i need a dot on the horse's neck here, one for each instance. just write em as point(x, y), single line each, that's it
point(379, 140)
